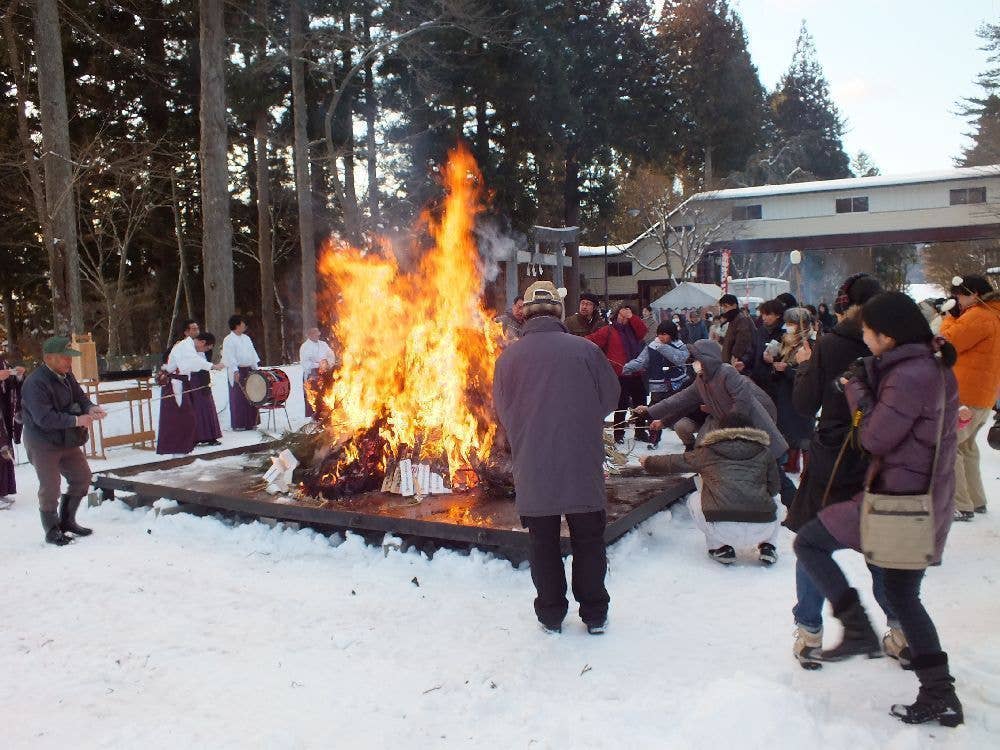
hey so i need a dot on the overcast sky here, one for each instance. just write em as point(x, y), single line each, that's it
point(896, 68)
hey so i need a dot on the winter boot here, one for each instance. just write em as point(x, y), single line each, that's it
point(936, 699)
point(808, 647)
point(792, 464)
point(550, 629)
point(53, 534)
point(964, 515)
point(859, 637)
point(67, 517)
point(597, 628)
point(767, 553)
point(895, 646)
point(724, 554)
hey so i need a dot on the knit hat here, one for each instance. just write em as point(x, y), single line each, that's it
point(788, 300)
point(668, 327)
point(896, 315)
point(590, 297)
point(799, 316)
point(856, 290)
point(971, 285)
point(542, 298)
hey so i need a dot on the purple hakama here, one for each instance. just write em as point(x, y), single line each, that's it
point(242, 414)
point(177, 423)
point(10, 391)
point(206, 418)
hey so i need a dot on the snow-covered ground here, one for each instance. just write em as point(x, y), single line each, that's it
point(174, 631)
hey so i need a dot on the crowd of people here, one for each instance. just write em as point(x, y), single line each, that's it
point(878, 397)
point(48, 412)
point(882, 398)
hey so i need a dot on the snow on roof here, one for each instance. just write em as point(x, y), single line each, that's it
point(590, 251)
point(851, 183)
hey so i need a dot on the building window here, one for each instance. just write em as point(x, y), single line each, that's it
point(967, 195)
point(620, 268)
point(852, 205)
point(747, 213)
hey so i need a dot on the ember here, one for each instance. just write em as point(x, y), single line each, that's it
point(409, 411)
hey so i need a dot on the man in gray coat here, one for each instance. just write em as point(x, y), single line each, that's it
point(57, 415)
point(552, 391)
point(720, 391)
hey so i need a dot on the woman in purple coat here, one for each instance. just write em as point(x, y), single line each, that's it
point(900, 392)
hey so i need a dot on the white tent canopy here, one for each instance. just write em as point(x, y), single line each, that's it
point(688, 294)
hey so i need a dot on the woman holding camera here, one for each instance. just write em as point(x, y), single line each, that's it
point(975, 334)
point(780, 356)
point(906, 436)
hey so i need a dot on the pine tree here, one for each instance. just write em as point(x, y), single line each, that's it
point(984, 112)
point(804, 114)
point(705, 45)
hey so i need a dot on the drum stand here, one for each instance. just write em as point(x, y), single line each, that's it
point(272, 420)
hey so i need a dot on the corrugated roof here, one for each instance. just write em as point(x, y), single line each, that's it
point(851, 183)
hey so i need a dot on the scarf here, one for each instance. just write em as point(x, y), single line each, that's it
point(633, 346)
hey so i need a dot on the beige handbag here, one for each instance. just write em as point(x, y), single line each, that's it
point(897, 531)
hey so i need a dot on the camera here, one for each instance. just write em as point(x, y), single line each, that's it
point(856, 370)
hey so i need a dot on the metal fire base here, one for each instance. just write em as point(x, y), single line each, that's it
point(216, 482)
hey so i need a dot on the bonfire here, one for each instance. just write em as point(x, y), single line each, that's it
point(409, 409)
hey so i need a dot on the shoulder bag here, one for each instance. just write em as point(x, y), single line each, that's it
point(897, 531)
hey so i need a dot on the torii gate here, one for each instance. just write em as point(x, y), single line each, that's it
point(565, 240)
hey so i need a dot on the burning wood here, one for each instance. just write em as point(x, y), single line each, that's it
point(410, 409)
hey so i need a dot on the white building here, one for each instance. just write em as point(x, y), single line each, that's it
point(862, 212)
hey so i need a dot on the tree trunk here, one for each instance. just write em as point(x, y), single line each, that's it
point(371, 108)
point(59, 197)
point(303, 184)
point(182, 273)
point(217, 230)
point(349, 196)
point(10, 321)
point(571, 217)
point(709, 167)
point(265, 252)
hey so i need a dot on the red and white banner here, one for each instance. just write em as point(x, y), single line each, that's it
point(726, 255)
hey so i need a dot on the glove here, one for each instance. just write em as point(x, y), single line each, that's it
point(857, 371)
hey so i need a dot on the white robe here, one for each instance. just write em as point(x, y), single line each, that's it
point(184, 359)
point(237, 352)
point(311, 353)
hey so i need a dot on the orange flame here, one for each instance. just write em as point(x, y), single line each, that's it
point(417, 348)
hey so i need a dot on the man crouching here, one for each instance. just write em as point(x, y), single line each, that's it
point(739, 479)
point(552, 391)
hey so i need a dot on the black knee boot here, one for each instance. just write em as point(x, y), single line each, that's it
point(67, 517)
point(936, 700)
point(53, 534)
point(859, 636)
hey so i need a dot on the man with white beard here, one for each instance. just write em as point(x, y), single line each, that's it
point(317, 358)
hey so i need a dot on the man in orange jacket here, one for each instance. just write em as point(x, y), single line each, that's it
point(975, 334)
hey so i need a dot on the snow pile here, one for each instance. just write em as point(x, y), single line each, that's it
point(168, 630)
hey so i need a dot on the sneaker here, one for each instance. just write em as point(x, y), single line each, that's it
point(768, 554)
point(895, 646)
point(964, 515)
point(724, 554)
point(653, 446)
point(981, 509)
point(808, 648)
point(597, 628)
point(550, 629)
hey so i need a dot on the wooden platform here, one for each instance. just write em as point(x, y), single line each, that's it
point(219, 481)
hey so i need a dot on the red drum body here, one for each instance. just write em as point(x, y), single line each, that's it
point(267, 387)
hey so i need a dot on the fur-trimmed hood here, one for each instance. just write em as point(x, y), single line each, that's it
point(736, 443)
point(749, 434)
